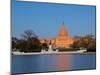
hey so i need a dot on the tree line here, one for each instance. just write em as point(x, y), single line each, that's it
point(86, 42)
point(29, 42)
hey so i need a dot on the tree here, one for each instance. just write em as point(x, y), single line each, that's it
point(14, 43)
point(90, 43)
point(21, 45)
point(28, 34)
point(44, 46)
point(28, 42)
point(87, 42)
point(76, 44)
point(31, 42)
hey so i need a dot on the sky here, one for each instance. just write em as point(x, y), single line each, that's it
point(45, 19)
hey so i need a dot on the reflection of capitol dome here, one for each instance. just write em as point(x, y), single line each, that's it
point(62, 40)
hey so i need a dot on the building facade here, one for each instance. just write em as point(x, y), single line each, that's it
point(62, 40)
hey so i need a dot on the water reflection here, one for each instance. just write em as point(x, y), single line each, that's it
point(63, 62)
point(52, 62)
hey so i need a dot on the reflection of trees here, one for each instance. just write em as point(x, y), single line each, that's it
point(87, 42)
point(28, 43)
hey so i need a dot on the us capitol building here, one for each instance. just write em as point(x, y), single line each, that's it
point(62, 40)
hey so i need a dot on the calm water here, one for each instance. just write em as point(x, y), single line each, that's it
point(52, 62)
